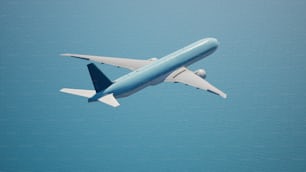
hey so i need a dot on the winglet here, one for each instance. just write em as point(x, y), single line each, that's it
point(74, 55)
point(109, 99)
point(223, 95)
point(217, 92)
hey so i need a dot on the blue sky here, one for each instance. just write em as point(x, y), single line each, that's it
point(260, 64)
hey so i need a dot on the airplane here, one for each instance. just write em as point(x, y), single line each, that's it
point(144, 73)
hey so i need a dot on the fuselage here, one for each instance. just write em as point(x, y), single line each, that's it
point(158, 70)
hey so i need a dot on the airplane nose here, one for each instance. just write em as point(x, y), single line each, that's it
point(214, 41)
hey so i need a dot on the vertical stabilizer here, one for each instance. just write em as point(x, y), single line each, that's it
point(99, 80)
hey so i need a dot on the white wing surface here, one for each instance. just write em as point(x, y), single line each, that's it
point(185, 76)
point(109, 99)
point(79, 92)
point(131, 64)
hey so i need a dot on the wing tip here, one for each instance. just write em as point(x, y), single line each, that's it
point(224, 96)
point(75, 56)
point(65, 54)
point(218, 92)
point(64, 90)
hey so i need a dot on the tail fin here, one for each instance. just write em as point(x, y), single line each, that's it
point(99, 80)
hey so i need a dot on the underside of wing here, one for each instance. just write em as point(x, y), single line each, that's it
point(185, 76)
point(131, 64)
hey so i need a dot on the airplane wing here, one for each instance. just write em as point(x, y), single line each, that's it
point(185, 76)
point(131, 64)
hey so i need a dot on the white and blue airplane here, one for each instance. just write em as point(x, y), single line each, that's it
point(170, 68)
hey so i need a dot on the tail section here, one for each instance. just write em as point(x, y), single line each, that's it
point(99, 80)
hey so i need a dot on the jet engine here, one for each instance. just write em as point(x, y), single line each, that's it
point(153, 59)
point(201, 73)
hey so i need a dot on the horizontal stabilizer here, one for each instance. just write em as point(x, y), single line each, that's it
point(109, 99)
point(79, 92)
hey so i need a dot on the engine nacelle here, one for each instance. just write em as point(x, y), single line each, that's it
point(201, 73)
point(153, 59)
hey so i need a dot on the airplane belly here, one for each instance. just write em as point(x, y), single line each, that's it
point(136, 82)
